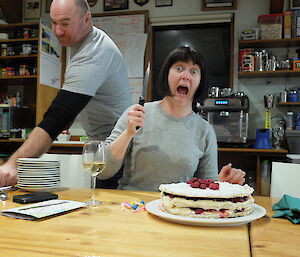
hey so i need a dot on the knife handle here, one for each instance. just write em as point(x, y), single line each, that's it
point(141, 102)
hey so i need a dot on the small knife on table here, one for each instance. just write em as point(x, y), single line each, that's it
point(143, 97)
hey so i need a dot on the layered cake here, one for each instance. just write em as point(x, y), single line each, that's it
point(205, 198)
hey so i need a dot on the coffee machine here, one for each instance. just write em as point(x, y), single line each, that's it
point(15, 119)
point(5, 120)
point(229, 117)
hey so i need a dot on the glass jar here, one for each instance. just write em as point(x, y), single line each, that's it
point(23, 70)
point(10, 71)
point(10, 51)
point(33, 33)
point(4, 72)
point(26, 33)
point(3, 49)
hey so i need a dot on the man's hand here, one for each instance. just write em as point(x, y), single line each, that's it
point(8, 175)
point(232, 175)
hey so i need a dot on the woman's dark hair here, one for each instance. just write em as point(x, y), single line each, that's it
point(184, 54)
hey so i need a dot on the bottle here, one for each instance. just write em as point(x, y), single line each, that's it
point(298, 121)
point(289, 121)
point(265, 178)
point(18, 100)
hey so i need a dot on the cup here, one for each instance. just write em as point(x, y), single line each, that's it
point(63, 137)
point(263, 137)
point(26, 48)
point(282, 97)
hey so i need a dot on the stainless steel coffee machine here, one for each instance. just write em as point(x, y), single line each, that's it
point(228, 116)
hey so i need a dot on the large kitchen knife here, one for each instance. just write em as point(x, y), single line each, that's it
point(143, 97)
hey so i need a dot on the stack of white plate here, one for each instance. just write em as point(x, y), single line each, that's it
point(35, 174)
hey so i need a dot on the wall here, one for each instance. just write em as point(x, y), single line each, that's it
point(245, 16)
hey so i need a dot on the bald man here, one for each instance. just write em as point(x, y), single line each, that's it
point(95, 89)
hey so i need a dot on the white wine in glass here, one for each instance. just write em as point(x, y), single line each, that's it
point(93, 159)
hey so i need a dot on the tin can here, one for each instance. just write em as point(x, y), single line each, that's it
point(259, 66)
point(248, 63)
point(242, 53)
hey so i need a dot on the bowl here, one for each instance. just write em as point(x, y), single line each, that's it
point(63, 137)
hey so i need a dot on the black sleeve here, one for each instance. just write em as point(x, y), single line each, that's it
point(62, 112)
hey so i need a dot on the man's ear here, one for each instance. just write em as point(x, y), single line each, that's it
point(88, 17)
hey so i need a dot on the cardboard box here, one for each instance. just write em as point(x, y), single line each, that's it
point(287, 24)
point(249, 34)
point(296, 65)
point(295, 23)
point(293, 139)
point(270, 26)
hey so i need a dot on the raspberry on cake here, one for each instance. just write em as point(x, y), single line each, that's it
point(206, 198)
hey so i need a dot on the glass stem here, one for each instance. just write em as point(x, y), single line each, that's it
point(93, 197)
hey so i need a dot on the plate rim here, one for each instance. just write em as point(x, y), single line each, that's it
point(153, 208)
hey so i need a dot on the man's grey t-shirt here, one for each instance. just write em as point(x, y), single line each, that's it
point(96, 68)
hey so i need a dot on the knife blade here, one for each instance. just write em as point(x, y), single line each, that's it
point(143, 97)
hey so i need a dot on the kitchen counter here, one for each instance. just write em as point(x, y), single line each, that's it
point(247, 159)
point(76, 147)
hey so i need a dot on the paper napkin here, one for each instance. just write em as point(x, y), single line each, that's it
point(289, 208)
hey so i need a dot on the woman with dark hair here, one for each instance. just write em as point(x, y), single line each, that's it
point(174, 143)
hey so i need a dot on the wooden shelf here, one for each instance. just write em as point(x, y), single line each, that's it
point(272, 43)
point(260, 74)
point(289, 104)
point(253, 150)
point(19, 56)
point(11, 26)
point(7, 41)
point(20, 77)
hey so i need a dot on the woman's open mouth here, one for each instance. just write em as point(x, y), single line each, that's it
point(182, 90)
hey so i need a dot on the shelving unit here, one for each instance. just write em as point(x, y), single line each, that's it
point(288, 104)
point(261, 74)
point(272, 43)
point(36, 96)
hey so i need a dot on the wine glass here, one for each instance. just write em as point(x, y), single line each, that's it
point(278, 132)
point(93, 160)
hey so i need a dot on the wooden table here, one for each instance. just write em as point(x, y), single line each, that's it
point(110, 231)
point(274, 237)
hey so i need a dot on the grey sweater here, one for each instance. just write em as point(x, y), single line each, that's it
point(166, 150)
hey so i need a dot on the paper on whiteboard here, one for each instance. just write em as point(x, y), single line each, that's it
point(120, 27)
point(134, 54)
point(50, 57)
point(51, 74)
point(136, 87)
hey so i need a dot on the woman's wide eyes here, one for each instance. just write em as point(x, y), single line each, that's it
point(194, 71)
point(179, 68)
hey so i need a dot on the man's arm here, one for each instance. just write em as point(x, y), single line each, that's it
point(37, 143)
point(60, 114)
